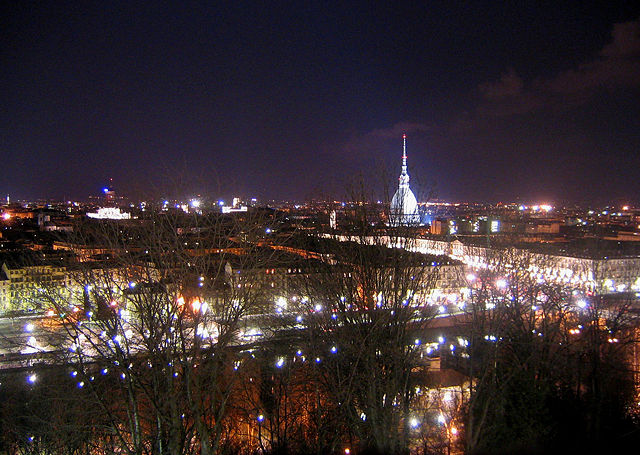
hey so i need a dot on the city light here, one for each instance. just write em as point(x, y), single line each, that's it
point(281, 304)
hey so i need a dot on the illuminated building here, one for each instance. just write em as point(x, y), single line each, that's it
point(235, 207)
point(109, 213)
point(20, 281)
point(109, 193)
point(404, 206)
point(333, 220)
point(227, 209)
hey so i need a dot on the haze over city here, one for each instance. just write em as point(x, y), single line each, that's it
point(499, 102)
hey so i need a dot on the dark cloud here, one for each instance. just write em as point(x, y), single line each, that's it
point(509, 85)
point(626, 40)
point(400, 128)
point(380, 147)
point(617, 65)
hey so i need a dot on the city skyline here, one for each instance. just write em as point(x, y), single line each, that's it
point(499, 103)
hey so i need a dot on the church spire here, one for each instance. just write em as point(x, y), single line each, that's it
point(404, 152)
point(404, 175)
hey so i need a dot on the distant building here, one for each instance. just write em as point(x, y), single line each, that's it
point(236, 206)
point(109, 193)
point(404, 206)
point(21, 281)
point(227, 209)
point(439, 227)
point(109, 213)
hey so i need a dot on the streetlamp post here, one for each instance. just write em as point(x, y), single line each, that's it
point(260, 420)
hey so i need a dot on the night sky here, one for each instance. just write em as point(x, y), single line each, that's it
point(293, 100)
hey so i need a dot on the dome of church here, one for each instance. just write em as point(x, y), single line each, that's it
point(404, 207)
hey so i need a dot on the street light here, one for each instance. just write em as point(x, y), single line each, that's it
point(260, 419)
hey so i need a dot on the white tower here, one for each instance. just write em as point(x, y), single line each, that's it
point(332, 220)
point(404, 206)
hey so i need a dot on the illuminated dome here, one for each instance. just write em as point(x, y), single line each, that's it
point(404, 206)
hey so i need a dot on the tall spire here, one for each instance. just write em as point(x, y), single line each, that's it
point(404, 152)
point(404, 175)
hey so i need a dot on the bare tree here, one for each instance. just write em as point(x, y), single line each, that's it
point(536, 351)
point(364, 310)
point(150, 326)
